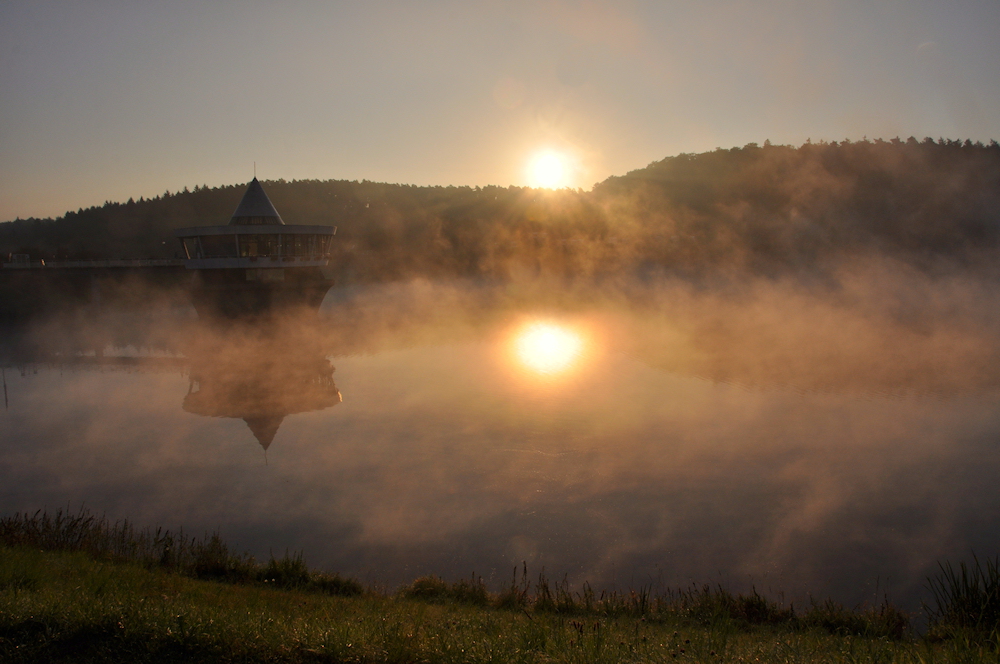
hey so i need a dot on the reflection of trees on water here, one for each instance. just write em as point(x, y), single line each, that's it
point(261, 386)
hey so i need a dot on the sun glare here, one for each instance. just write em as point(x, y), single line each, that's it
point(548, 349)
point(549, 170)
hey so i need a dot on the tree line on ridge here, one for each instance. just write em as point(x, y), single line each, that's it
point(759, 209)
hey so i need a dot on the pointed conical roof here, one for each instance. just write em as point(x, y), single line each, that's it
point(255, 208)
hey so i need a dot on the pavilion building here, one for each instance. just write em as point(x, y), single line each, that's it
point(257, 263)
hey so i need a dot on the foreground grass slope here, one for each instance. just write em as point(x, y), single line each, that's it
point(64, 606)
point(76, 587)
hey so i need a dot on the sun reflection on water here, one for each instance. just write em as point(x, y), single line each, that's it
point(547, 348)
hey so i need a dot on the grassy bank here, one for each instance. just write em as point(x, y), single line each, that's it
point(67, 603)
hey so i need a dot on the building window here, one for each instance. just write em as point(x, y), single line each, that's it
point(218, 246)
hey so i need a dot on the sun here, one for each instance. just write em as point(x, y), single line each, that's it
point(547, 349)
point(548, 169)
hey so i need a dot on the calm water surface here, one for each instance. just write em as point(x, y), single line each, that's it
point(543, 438)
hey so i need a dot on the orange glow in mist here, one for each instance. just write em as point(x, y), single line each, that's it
point(548, 349)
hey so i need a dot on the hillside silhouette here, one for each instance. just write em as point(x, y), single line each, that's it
point(761, 209)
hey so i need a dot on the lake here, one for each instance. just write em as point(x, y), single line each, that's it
point(770, 438)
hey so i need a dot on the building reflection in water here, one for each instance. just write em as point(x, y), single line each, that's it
point(260, 385)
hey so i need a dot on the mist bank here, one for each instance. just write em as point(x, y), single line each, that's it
point(877, 462)
point(870, 327)
point(763, 210)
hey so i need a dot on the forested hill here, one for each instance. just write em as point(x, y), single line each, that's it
point(759, 208)
point(779, 204)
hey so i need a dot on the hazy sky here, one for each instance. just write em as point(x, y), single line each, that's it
point(107, 100)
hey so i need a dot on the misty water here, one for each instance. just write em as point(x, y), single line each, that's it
point(836, 445)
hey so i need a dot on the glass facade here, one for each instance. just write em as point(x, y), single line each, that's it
point(289, 246)
point(259, 245)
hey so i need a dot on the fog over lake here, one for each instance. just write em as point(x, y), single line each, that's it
point(833, 439)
